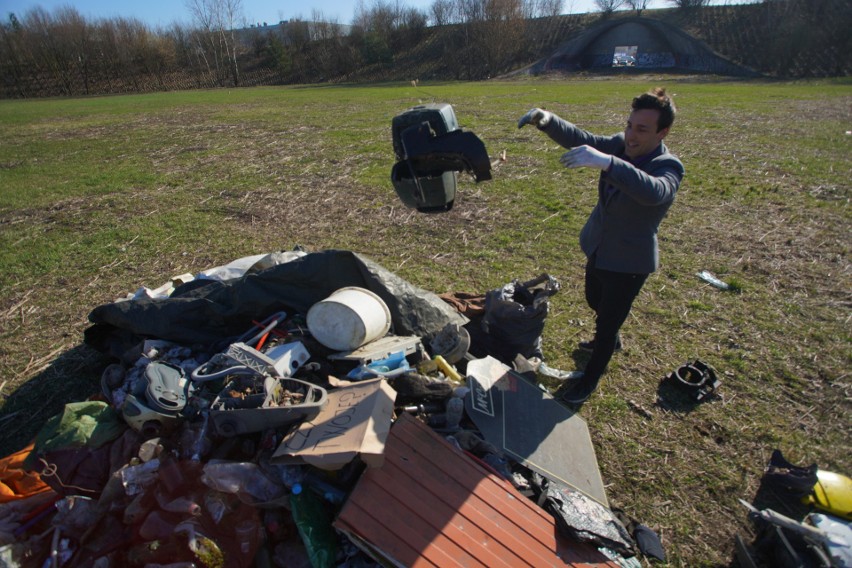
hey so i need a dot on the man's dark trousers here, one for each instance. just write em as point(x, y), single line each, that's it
point(610, 295)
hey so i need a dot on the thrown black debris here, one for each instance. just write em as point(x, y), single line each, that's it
point(796, 481)
point(586, 520)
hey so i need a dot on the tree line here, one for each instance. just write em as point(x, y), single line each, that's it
point(62, 53)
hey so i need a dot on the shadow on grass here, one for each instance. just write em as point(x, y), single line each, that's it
point(675, 399)
point(72, 377)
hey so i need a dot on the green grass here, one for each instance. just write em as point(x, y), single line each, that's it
point(99, 196)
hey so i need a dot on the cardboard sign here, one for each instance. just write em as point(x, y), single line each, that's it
point(356, 421)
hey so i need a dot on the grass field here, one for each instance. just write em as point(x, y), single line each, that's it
point(99, 196)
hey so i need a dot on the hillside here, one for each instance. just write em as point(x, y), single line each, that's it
point(774, 39)
point(779, 39)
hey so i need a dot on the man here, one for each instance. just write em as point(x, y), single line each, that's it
point(638, 182)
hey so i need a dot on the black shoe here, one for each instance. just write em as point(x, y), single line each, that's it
point(575, 397)
point(590, 345)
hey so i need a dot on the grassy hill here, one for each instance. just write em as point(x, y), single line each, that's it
point(776, 39)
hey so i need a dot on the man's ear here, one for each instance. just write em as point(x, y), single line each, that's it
point(663, 133)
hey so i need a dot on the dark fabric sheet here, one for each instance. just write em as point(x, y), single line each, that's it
point(209, 312)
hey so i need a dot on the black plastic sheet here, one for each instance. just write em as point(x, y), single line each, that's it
point(206, 312)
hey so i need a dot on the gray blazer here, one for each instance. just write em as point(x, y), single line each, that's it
point(622, 229)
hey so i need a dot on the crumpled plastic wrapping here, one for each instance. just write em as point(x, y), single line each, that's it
point(586, 520)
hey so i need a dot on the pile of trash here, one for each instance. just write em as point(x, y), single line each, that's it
point(822, 499)
point(247, 405)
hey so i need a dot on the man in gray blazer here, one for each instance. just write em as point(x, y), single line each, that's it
point(638, 182)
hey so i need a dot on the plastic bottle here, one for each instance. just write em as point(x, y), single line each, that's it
point(217, 505)
point(136, 478)
point(150, 449)
point(240, 478)
point(289, 474)
point(170, 474)
point(194, 441)
point(313, 521)
point(200, 544)
point(425, 408)
point(138, 508)
point(179, 504)
point(156, 526)
point(324, 489)
point(247, 533)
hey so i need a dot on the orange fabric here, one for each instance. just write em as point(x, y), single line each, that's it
point(15, 483)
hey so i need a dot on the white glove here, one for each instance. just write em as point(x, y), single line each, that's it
point(537, 117)
point(585, 157)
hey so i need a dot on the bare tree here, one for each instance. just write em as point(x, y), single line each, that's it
point(16, 62)
point(541, 8)
point(638, 5)
point(492, 35)
point(51, 52)
point(124, 39)
point(608, 6)
point(441, 12)
point(686, 4)
point(327, 48)
point(218, 20)
point(76, 35)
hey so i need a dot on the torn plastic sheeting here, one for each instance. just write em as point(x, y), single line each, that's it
point(212, 311)
point(587, 520)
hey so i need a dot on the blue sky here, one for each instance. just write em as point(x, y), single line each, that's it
point(163, 12)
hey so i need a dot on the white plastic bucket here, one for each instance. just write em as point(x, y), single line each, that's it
point(349, 318)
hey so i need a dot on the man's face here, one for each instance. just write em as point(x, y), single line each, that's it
point(640, 135)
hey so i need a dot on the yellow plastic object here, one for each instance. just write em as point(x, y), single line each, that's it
point(833, 494)
point(447, 369)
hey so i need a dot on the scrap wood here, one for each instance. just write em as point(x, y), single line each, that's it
point(442, 508)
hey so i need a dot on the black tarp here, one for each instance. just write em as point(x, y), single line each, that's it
point(207, 312)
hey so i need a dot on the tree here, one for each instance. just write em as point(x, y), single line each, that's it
point(442, 12)
point(327, 48)
point(12, 53)
point(389, 26)
point(492, 35)
point(75, 35)
point(217, 21)
point(639, 5)
point(609, 6)
point(687, 4)
point(52, 54)
point(541, 8)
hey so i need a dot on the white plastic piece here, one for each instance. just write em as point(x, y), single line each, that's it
point(280, 361)
point(288, 357)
